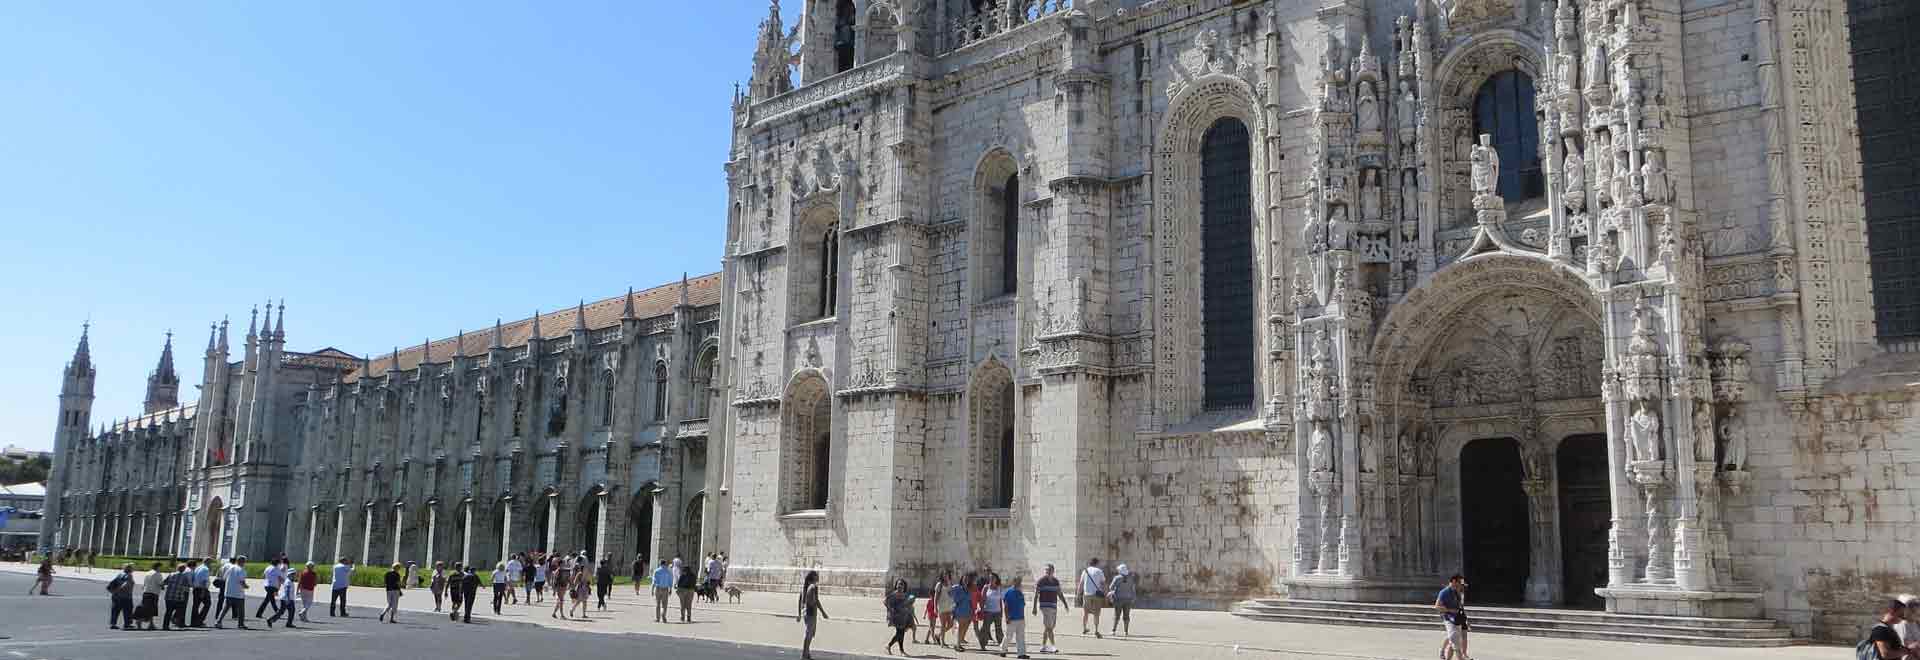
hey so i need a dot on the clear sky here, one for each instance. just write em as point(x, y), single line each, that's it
point(394, 170)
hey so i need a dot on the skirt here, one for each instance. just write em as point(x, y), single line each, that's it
point(149, 607)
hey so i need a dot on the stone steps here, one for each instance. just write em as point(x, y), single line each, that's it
point(1574, 624)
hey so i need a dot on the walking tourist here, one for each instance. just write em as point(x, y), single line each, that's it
point(202, 597)
point(342, 575)
point(275, 574)
point(235, 592)
point(662, 588)
point(309, 579)
point(1047, 601)
point(438, 585)
point(603, 580)
point(514, 567)
point(394, 584)
point(540, 580)
point(469, 591)
point(1015, 606)
point(1453, 611)
point(899, 605)
point(990, 612)
point(120, 589)
point(1909, 630)
point(288, 598)
point(179, 588)
point(962, 594)
point(943, 609)
point(713, 575)
point(454, 584)
point(150, 591)
point(1883, 640)
point(500, 586)
point(527, 570)
point(811, 611)
point(582, 589)
point(43, 578)
point(562, 581)
point(686, 587)
point(1121, 593)
point(1093, 595)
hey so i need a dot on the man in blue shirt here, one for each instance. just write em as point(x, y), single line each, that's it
point(662, 588)
point(1452, 604)
point(342, 576)
point(1015, 605)
point(202, 599)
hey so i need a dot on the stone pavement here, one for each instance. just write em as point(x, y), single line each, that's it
point(766, 619)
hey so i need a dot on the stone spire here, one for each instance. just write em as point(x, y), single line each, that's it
point(626, 310)
point(771, 58)
point(82, 358)
point(163, 385)
point(213, 334)
point(280, 323)
point(684, 289)
point(393, 361)
point(496, 336)
point(580, 317)
point(536, 336)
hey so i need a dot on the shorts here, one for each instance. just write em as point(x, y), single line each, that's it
point(1048, 616)
point(811, 623)
point(1456, 633)
point(1093, 603)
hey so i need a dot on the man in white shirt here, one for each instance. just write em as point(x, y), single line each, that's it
point(342, 575)
point(275, 576)
point(1093, 595)
point(514, 568)
point(235, 591)
point(202, 597)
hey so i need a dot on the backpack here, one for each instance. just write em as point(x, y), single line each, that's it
point(1865, 649)
point(119, 581)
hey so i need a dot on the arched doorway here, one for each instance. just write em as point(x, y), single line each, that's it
point(1585, 515)
point(587, 522)
point(640, 522)
point(216, 526)
point(690, 532)
point(1493, 520)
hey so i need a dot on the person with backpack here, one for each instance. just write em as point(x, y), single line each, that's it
point(1452, 604)
point(1883, 642)
point(685, 588)
point(1121, 593)
point(1093, 595)
point(120, 589)
point(899, 606)
point(962, 593)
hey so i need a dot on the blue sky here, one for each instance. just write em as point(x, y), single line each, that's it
point(393, 170)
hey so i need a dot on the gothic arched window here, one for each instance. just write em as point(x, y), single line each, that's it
point(606, 399)
point(806, 454)
point(829, 269)
point(702, 394)
point(993, 417)
point(843, 35)
point(1010, 236)
point(1503, 109)
point(1226, 278)
point(660, 391)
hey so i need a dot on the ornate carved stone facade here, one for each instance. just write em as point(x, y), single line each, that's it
point(1518, 230)
point(584, 429)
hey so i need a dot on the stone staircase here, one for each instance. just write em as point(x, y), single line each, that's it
point(1574, 624)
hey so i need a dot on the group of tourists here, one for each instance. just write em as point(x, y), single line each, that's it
point(990, 610)
point(673, 578)
point(1896, 635)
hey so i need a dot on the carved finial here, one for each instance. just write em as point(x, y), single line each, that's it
point(580, 316)
point(626, 311)
point(496, 335)
point(536, 328)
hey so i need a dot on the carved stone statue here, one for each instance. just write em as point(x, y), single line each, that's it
point(1339, 229)
point(1406, 112)
point(1486, 167)
point(1370, 196)
point(1643, 432)
point(1408, 460)
point(1320, 449)
point(1367, 103)
point(1574, 171)
point(1603, 179)
point(1596, 73)
point(1653, 175)
point(1314, 238)
point(1409, 195)
point(1369, 454)
point(1733, 453)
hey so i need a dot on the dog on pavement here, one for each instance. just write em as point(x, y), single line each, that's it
point(733, 594)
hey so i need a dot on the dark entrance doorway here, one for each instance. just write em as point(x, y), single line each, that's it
point(589, 525)
point(1494, 521)
point(1585, 514)
point(640, 523)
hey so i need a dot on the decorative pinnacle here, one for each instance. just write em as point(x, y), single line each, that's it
point(536, 327)
point(626, 312)
point(496, 335)
point(580, 316)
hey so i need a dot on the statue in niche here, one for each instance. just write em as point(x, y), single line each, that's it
point(1369, 455)
point(1407, 114)
point(557, 411)
point(824, 176)
point(1603, 179)
point(1370, 196)
point(1409, 195)
point(1320, 450)
point(1704, 445)
point(1368, 104)
point(1486, 167)
point(1574, 170)
point(1315, 235)
point(1462, 144)
point(1733, 449)
point(1408, 462)
point(1596, 73)
point(1339, 229)
point(1643, 433)
point(1653, 176)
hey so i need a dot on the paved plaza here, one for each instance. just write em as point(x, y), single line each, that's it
point(73, 625)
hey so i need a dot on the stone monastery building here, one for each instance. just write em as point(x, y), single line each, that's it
point(1319, 298)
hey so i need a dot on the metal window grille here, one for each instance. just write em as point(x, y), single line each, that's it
point(1226, 236)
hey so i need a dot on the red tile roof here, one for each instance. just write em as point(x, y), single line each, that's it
point(658, 301)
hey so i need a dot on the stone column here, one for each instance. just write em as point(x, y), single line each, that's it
point(1543, 583)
